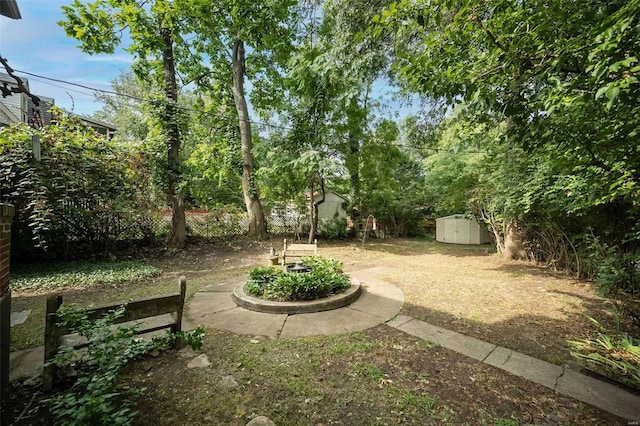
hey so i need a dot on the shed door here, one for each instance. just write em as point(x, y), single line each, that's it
point(451, 230)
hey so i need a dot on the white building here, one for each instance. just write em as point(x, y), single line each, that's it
point(459, 229)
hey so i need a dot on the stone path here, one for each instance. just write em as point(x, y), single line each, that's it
point(563, 380)
point(380, 303)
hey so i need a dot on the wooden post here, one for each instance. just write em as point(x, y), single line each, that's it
point(50, 341)
point(182, 282)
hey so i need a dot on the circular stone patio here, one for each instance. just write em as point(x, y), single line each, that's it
point(214, 307)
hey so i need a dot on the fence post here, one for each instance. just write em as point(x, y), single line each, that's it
point(50, 341)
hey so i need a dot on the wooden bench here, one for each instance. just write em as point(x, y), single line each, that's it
point(299, 250)
point(55, 333)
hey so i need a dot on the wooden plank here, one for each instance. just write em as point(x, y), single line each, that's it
point(136, 310)
point(51, 336)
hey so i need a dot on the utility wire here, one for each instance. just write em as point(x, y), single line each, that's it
point(185, 108)
point(142, 100)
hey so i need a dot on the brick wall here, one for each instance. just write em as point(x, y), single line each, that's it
point(6, 216)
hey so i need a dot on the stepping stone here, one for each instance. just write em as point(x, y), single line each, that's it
point(201, 361)
point(261, 421)
point(19, 317)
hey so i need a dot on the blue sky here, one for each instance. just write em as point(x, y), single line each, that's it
point(38, 45)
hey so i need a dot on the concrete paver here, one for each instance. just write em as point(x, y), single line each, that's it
point(339, 321)
point(19, 317)
point(206, 303)
point(26, 363)
point(600, 394)
point(460, 343)
point(399, 320)
point(381, 301)
point(538, 371)
point(243, 321)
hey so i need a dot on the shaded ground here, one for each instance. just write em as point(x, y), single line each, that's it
point(380, 376)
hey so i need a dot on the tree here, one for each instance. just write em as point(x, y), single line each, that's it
point(562, 76)
point(99, 26)
point(223, 33)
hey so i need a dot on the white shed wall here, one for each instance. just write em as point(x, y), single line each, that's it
point(457, 229)
point(332, 205)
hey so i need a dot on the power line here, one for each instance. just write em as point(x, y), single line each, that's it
point(185, 108)
point(142, 100)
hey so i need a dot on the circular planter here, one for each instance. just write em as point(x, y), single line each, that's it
point(336, 301)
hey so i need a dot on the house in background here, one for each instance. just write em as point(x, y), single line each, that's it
point(334, 205)
point(13, 108)
point(99, 126)
point(20, 108)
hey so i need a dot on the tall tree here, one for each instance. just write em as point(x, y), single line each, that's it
point(100, 26)
point(561, 74)
point(240, 39)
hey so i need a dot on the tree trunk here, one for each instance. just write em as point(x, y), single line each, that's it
point(257, 224)
point(178, 236)
point(353, 165)
point(513, 242)
point(314, 209)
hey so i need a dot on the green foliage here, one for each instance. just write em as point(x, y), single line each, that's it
point(83, 192)
point(618, 271)
point(79, 274)
point(95, 397)
point(326, 278)
point(615, 355)
point(260, 279)
point(334, 229)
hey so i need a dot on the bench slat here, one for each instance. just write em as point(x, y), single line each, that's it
point(136, 310)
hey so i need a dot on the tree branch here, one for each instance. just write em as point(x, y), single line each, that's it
point(8, 91)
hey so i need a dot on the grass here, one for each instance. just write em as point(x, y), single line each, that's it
point(79, 274)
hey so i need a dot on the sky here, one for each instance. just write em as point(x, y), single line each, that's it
point(37, 44)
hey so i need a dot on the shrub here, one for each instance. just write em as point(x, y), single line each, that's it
point(616, 356)
point(326, 278)
point(334, 229)
point(95, 398)
point(618, 271)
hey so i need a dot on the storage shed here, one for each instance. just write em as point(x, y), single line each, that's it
point(459, 229)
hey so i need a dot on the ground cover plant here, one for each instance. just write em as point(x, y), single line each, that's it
point(79, 274)
point(325, 278)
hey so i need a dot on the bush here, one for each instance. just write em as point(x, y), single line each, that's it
point(615, 355)
point(618, 271)
point(334, 229)
point(326, 278)
point(95, 397)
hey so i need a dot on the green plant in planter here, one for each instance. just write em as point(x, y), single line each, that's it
point(325, 278)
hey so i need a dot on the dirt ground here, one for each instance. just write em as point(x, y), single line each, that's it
point(380, 376)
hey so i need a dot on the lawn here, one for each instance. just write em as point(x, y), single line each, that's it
point(378, 376)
